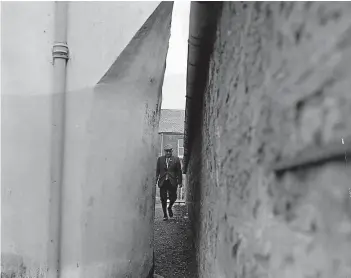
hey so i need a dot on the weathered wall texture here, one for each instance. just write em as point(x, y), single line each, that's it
point(279, 86)
point(111, 130)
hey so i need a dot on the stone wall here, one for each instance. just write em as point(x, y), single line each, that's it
point(278, 90)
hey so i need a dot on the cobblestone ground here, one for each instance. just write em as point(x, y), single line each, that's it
point(174, 255)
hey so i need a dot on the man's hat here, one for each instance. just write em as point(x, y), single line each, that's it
point(168, 147)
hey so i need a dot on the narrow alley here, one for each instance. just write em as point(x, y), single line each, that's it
point(174, 253)
point(109, 106)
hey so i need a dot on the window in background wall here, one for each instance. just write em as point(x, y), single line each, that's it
point(180, 148)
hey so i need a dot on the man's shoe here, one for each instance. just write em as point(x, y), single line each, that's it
point(165, 218)
point(170, 212)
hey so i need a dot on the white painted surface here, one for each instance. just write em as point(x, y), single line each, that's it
point(97, 34)
point(27, 34)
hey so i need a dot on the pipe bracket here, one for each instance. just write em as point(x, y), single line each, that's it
point(60, 50)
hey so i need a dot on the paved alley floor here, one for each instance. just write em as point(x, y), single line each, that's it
point(174, 255)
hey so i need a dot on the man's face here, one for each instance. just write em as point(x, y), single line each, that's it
point(168, 153)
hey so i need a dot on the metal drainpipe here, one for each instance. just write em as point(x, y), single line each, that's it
point(60, 58)
point(202, 25)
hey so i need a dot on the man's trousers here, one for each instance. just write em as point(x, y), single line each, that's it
point(167, 187)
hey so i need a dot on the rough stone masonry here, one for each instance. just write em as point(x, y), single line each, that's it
point(278, 90)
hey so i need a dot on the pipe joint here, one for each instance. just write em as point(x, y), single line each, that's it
point(60, 51)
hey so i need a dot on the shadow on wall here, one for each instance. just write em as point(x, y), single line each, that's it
point(108, 184)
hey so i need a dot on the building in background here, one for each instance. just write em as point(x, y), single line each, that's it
point(171, 131)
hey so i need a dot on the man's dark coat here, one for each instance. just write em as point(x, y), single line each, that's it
point(174, 170)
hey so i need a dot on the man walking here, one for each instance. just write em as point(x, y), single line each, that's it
point(169, 176)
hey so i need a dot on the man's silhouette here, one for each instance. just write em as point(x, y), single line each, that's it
point(169, 176)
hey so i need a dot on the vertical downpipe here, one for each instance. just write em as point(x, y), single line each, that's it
point(60, 58)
